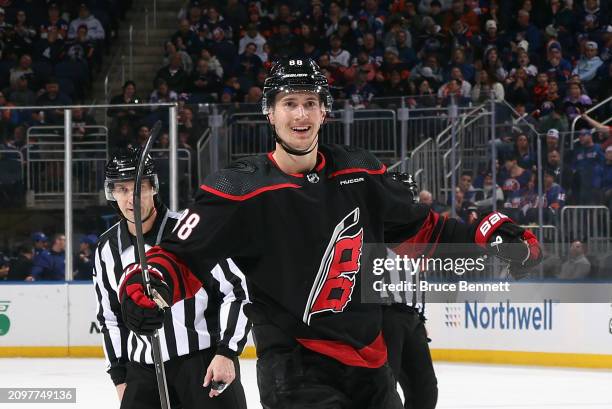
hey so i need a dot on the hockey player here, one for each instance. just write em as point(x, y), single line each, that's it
point(202, 335)
point(296, 221)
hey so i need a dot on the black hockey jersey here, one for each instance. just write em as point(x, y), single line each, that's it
point(299, 239)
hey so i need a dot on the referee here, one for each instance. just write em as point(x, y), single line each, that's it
point(202, 336)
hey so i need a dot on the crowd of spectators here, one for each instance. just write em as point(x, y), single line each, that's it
point(49, 54)
point(44, 259)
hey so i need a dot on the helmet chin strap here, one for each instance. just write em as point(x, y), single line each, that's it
point(151, 213)
point(292, 151)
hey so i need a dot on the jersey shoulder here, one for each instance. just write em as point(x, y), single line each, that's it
point(349, 159)
point(246, 178)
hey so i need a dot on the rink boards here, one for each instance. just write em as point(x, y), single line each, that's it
point(53, 320)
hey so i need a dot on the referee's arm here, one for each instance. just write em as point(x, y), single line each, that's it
point(114, 333)
point(233, 323)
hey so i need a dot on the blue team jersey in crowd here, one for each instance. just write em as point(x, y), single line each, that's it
point(49, 265)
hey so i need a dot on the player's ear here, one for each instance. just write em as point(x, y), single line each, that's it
point(323, 113)
point(271, 118)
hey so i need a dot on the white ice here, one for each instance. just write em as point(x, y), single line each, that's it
point(461, 385)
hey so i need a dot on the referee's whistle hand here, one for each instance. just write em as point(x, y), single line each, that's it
point(221, 369)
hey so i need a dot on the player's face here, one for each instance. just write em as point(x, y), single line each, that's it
point(297, 117)
point(123, 192)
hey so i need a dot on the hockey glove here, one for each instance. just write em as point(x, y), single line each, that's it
point(141, 314)
point(503, 238)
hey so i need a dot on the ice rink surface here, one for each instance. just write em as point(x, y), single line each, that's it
point(461, 385)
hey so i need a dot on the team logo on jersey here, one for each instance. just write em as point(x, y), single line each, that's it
point(335, 280)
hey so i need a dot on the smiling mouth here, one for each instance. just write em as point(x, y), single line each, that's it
point(301, 129)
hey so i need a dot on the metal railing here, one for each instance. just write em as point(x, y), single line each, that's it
point(45, 157)
point(590, 224)
point(573, 127)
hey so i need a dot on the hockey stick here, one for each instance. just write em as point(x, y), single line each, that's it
point(142, 258)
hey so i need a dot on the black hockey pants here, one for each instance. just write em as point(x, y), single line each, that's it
point(184, 375)
point(409, 356)
point(297, 378)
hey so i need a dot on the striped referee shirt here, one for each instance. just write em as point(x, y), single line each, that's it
point(213, 318)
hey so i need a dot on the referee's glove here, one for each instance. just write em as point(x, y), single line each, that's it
point(141, 314)
point(503, 238)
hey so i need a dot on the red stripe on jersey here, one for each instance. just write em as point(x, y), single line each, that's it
point(157, 255)
point(370, 356)
point(417, 244)
point(380, 171)
point(240, 198)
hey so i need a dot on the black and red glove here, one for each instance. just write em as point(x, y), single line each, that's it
point(503, 238)
point(140, 313)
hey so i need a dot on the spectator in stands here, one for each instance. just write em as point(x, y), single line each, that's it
point(465, 210)
point(5, 267)
point(213, 62)
point(522, 150)
point(522, 120)
point(203, 83)
point(458, 60)
point(552, 116)
point(459, 12)
point(563, 174)
point(252, 35)
point(589, 62)
point(429, 69)
point(526, 30)
point(162, 93)
point(95, 30)
point(170, 50)
point(50, 264)
point(517, 87)
point(54, 22)
point(552, 141)
point(128, 96)
point(184, 37)
point(337, 54)
point(484, 199)
point(451, 91)
point(465, 186)
point(426, 198)
point(553, 95)
point(395, 86)
point(493, 64)
point(249, 63)
point(485, 85)
point(557, 67)
point(25, 33)
point(576, 101)
point(82, 48)
point(81, 124)
point(53, 97)
point(236, 13)
point(523, 61)
point(20, 266)
point(173, 74)
point(83, 262)
point(51, 49)
point(587, 165)
point(513, 177)
point(360, 93)
point(554, 200)
point(40, 242)
point(23, 68)
point(225, 51)
point(577, 266)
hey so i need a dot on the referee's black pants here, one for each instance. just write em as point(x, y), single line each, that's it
point(409, 356)
point(184, 375)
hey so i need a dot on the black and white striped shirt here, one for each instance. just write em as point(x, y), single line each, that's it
point(214, 317)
